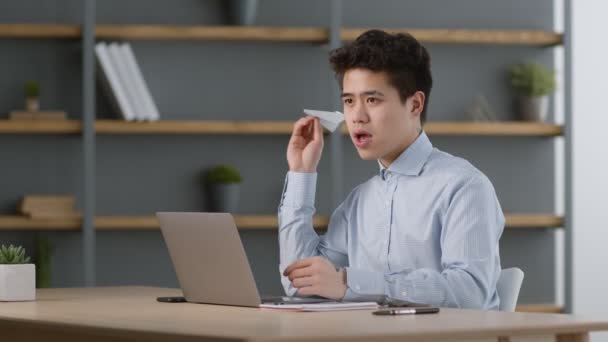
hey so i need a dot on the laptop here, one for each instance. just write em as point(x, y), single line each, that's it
point(210, 261)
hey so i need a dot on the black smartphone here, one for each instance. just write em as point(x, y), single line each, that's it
point(171, 299)
point(405, 311)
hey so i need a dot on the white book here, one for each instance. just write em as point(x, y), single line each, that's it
point(127, 82)
point(110, 74)
point(329, 120)
point(319, 307)
point(142, 88)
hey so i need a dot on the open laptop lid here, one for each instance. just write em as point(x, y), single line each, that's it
point(209, 258)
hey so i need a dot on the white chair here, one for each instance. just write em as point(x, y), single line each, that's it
point(508, 287)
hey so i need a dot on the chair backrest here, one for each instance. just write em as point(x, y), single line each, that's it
point(508, 287)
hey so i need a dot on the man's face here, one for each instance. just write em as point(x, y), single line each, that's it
point(381, 126)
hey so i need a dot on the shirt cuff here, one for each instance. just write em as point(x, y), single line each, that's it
point(364, 282)
point(300, 189)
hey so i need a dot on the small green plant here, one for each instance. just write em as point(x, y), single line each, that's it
point(32, 89)
point(13, 255)
point(223, 174)
point(532, 79)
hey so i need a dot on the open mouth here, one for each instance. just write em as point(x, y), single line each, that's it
point(362, 139)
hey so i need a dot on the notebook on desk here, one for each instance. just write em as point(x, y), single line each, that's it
point(210, 261)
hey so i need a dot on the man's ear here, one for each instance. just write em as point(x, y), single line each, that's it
point(417, 103)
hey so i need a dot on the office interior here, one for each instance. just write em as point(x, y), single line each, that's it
point(229, 78)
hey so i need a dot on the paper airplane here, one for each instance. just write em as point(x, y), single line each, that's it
point(329, 120)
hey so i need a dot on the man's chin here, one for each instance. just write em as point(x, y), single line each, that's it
point(367, 155)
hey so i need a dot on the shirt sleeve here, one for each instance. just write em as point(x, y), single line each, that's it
point(470, 262)
point(297, 237)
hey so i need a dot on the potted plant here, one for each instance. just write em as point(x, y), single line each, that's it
point(32, 96)
point(17, 275)
point(223, 185)
point(533, 83)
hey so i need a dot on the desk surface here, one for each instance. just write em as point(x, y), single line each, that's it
point(133, 311)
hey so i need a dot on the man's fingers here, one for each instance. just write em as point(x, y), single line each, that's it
point(301, 126)
point(298, 264)
point(303, 282)
point(309, 291)
point(300, 272)
point(318, 130)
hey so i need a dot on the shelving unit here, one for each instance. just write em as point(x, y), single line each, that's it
point(315, 35)
point(172, 127)
point(90, 128)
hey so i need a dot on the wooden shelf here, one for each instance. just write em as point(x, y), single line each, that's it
point(506, 128)
point(525, 221)
point(519, 221)
point(194, 127)
point(285, 128)
point(14, 222)
point(39, 31)
point(276, 34)
point(540, 308)
point(448, 36)
point(189, 127)
point(150, 222)
point(221, 33)
point(40, 127)
point(510, 128)
point(24, 223)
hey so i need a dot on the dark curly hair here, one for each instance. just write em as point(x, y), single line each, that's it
point(400, 55)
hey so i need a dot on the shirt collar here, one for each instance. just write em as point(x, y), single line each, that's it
point(411, 161)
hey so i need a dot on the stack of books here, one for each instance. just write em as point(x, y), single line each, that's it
point(123, 81)
point(48, 206)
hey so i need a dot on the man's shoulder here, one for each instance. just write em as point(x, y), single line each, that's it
point(443, 166)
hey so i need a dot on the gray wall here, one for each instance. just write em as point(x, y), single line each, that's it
point(137, 175)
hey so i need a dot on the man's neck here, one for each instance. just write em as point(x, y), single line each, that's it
point(387, 160)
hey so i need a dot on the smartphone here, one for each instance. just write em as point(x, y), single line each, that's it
point(171, 299)
point(405, 311)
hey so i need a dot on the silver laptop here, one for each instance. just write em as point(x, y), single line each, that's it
point(210, 261)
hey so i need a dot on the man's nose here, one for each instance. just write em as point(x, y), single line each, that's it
point(359, 113)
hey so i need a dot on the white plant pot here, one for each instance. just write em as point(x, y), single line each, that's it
point(32, 104)
point(17, 282)
point(534, 109)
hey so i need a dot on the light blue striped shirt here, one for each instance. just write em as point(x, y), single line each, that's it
point(426, 229)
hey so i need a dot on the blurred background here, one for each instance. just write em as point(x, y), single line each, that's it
point(114, 110)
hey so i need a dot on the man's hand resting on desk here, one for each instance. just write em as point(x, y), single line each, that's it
point(305, 146)
point(317, 276)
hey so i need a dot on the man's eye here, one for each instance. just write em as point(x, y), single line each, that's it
point(372, 100)
point(348, 101)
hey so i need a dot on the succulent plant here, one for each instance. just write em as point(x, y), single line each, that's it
point(223, 174)
point(32, 89)
point(13, 255)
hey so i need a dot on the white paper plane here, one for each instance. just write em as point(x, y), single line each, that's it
point(329, 120)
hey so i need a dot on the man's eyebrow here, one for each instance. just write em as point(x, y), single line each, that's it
point(368, 93)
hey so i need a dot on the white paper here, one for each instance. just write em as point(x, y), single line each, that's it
point(331, 306)
point(329, 120)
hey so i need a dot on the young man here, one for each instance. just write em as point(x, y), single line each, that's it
point(425, 229)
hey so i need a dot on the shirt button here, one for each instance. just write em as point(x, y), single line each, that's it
point(404, 293)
